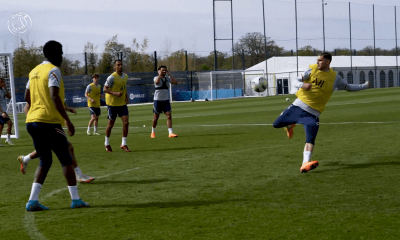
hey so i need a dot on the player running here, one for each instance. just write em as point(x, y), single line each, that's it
point(117, 100)
point(93, 94)
point(161, 99)
point(315, 89)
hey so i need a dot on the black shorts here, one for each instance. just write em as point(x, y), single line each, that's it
point(161, 106)
point(94, 111)
point(48, 138)
point(119, 111)
point(3, 120)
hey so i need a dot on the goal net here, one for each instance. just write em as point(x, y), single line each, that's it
point(6, 72)
point(220, 85)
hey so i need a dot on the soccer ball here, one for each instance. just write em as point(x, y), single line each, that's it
point(260, 84)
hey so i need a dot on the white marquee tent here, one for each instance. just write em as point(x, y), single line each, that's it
point(382, 71)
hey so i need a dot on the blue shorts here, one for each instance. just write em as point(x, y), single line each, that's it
point(3, 120)
point(119, 111)
point(161, 106)
point(94, 111)
point(293, 115)
point(48, 138)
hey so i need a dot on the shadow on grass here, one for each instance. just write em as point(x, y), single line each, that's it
point(174, 149)
point(148, 181)
point(340, 166)
point(216, 134)
point(178, 204)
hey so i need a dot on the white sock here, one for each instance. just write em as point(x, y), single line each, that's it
point(27, 158)
point(306, 156)
point(8, 137)
point(123, 141)
point(73, 191)
point(36, 187)
point(170, 130)
point(88, 128)
point(153, 130)
point(78, 172)
point(107, 141)
point(95, 128)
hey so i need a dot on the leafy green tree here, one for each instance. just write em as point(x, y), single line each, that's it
point(25, 58)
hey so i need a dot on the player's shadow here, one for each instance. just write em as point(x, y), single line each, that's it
point(216, 134)
point(175, 148)
point(177, 204)
point(334, 166)
point(147, 181)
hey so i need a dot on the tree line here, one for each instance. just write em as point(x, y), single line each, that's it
point(249, 50)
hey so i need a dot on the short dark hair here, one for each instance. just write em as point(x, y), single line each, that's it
point(162, 66)
point(95, 75)
point(327, 56)
point(52, 48)
point(118, 60)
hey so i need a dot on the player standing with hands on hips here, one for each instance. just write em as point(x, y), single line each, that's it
point(45, 96)
point(4, 118)
point(161, 99)
point(315, 89)
point(117, 100)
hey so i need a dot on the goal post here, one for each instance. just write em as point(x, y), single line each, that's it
point(220, 85)
point(6, 72)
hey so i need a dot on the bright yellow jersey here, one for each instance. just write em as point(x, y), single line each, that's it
point(321, 90)
point(94, 94)
point(42, 108)
point(119, 85)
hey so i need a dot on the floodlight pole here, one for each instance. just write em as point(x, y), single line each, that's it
point(297, 42)
point(215, 40)
point(265, 43)
point(351, 49)
point(397, 54)
point(323, 22)
point(373, 20)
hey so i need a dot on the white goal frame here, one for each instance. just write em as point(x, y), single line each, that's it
point(7, 72)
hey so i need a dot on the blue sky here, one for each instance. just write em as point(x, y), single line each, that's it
point(171, 25)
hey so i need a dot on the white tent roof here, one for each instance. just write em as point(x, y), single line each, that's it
point(288, 64)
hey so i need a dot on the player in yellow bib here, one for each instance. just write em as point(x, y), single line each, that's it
point(45, 95)
point(117, 100)
point(315, 89)
point(93, 94)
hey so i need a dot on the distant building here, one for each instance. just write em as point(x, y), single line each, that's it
point(382, 72)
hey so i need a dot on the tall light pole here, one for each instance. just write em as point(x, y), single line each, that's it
point(265, 43)
point(323, 22)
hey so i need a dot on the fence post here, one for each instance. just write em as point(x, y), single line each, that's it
point(155, 61)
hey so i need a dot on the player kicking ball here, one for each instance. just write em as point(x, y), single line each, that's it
point(161, 99)
point(315, 89)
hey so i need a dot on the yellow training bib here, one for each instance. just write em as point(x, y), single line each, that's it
point(94, 94)
point(42, 108)
point(119, 86)
point(321, 90)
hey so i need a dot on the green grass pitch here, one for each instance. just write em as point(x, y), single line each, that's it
point(229, 175)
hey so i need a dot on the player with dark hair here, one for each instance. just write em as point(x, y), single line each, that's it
point(161, 99)
point(45, 95)
point(315, 89)
point(93, 94)
point(4, 118)
point(117, 100)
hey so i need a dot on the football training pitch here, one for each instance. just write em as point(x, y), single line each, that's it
point(229, 175)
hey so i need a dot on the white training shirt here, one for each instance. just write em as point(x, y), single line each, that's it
point(162, 94)
point(54, 77)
